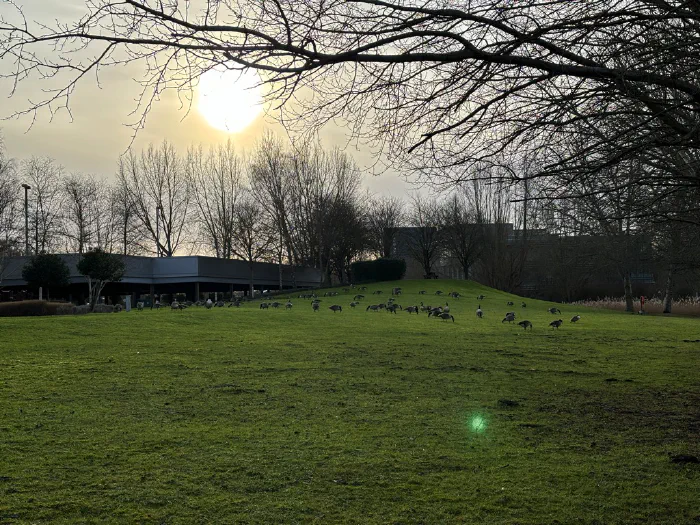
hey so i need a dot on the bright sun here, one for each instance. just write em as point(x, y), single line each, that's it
point(229, 100)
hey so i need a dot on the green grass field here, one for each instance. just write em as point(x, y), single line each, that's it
point(249, 416)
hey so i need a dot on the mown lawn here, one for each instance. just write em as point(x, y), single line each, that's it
point(250, 416)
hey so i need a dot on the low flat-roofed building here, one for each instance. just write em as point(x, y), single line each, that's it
point(191, 276)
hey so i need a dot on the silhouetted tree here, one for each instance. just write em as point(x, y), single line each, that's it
point(100, 268)
point(46, 270)
point(437, 86)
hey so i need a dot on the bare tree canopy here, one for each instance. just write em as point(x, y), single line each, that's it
point(216, 179)
point(44, 176)
point(437, 85)
point(158, 189)
point(10, 209)
point(85, 213)
point(384, 218)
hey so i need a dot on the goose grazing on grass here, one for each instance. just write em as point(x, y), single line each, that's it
point(422, 292)
point(509, 317)
point(435, 311)
point(264, 306)
point(456, 295)
point(556, 324)
point(276, 304)
point(445, 316)
point(336, 308)
point(525, 324)
point(373, 307)
point(175, 305)
point(139, 306)
point(392, 308)
point(315, 306)
point(358, 297)
point(354, 304)
point(510, 303)
point(523, 305)
point(411, 309)
point(554, 310)
point(479, 312)
point(288, 305)
point(481, 297)
point(438, 292)
point(377, 292)
point(575, 318)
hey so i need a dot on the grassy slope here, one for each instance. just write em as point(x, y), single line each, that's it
point(293, 416)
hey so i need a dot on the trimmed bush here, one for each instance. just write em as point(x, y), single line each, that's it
point(34, 308)
point(103, 309)
point(65, 309)
point(378, 270)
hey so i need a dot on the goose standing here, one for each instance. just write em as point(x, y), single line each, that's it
point(510, 317)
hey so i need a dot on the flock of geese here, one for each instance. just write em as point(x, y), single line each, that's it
point(390, 306)
point(438, 312)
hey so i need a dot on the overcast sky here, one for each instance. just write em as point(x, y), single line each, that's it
point(95, 136)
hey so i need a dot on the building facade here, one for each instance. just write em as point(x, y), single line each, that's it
point(149, 277)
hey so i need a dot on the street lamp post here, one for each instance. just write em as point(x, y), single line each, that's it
point(26, 187)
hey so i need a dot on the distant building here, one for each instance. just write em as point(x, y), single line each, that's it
point(191, 277)
point(537, 264)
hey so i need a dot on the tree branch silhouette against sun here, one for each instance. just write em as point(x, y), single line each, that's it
point(575, 86)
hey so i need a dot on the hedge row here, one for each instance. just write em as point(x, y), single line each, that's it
point(378, 270)
point(31, 308)
point(36, 308)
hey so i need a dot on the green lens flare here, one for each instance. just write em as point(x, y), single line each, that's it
point(477, 424)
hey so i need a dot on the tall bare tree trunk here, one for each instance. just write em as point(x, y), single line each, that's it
point(668, 297)
point(279, 260)
point(629, 302)
point(292, 260)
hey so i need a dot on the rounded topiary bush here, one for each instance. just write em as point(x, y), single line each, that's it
point(103, 309)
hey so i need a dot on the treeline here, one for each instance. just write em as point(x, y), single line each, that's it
point(516, 237)
point(305, 206)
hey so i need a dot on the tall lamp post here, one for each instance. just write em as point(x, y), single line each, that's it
point(26, 187)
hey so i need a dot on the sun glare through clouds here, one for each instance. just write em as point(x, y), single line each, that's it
point(229, 100)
